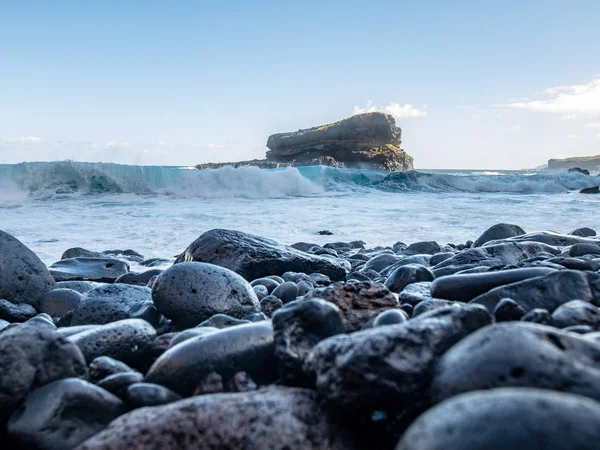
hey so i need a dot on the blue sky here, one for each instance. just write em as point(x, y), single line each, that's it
point(187, 82)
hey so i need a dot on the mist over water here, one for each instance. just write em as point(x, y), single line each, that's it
point(158, 211)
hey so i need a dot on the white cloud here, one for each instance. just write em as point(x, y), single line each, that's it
point(23, 140)
point(514, 128)
point(573, 136)
point(395, 109)
point(593, 125)
point(575, 99)
point(116, 144)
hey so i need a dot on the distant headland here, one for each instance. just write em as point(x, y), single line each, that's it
point(364, 141)
point(591, 163)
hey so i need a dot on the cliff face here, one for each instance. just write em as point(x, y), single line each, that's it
point(583, 162)
point(366, 141)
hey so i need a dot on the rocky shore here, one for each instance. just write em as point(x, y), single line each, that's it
point(364, 141)
point(246, 343)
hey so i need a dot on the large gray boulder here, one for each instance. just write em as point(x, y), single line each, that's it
point(63, 414)
point(499, 419)
point(519, 354)
point(389, 368)
point(271, 419)
point(498, 231)
point(32, 355)
point(191, 292)
point(23, 276)
point(253, 257)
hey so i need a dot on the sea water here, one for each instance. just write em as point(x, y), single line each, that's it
point(158, 211)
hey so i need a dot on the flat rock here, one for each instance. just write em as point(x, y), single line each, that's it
point(486, 420)
point(357, 302)
point(80, 286)
point(118, 384)
point(519, 354)
point(468, 286)
point(271, 419)
point(33, 354)
point(498, 231)
point(247, 348)
point(62, 414)
point(546, 237)
point(109, 303)
point(254, 257)
point(191, 292)
point(124, 340)
point(105, 270)
point(23, 276)
point(389, 368)
point(297, 328)
point(547, 292)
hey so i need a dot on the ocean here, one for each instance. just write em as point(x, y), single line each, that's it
point(158, 211)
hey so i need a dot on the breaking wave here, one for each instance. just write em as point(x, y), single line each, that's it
point(51, 180)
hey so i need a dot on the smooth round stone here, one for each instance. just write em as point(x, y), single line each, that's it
point(270, 304)
point(304, 287)
point(380, 262)
point(157, 347)
point(538, 315)
point(104, 366)
point(576, 312)
point(62, 414)
point(80, 286)
point(296, 277)
point(191, 292)
point(303, 246)
point(255, 317)
point(104, 270)
point(23, 276)
point(424, 247)
point(247, 348)
point(498, 231)
point(260, 291)
point(140, 395)
point(286, 291)
point(19, 312)
point(390, 317)
point(34, 354)
point(221, 321)
point(118, 383)
point(431, 305)
point(123, 340)
point(508, 310)
point(583, 232)
point(79, 252)
point(408, 274)
point(407, 308)
point(57, 302)
point(110, 303)
point(138, 279)
point(359, 276)
point(519, 354)
point(486, 420)
point(276, 278)
point(297, 328)
point(576, 263)
point(191, 333)
point(320, 279)
point(267, 282)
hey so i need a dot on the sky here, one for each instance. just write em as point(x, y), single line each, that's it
point(472, 84)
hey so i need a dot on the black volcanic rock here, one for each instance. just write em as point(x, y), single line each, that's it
point(254, 257)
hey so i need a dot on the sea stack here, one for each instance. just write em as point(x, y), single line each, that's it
point(366, 141)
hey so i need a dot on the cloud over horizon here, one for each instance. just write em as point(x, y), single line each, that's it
point(395, 109)
point(568, 100)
